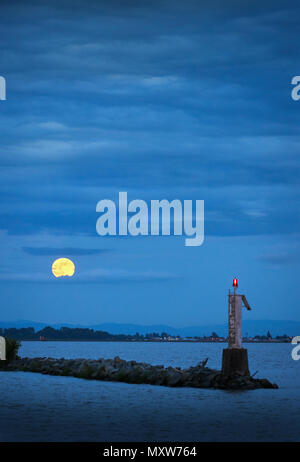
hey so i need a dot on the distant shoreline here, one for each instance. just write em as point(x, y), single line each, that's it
point(151, 341)
point(67, 334)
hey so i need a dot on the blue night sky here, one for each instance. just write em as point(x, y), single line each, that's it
point(162, 99)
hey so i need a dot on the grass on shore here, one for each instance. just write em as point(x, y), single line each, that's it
point(12, 347)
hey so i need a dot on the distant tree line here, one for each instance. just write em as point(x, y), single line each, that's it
point(269, 337)
point(77, 333)
point(68, 333)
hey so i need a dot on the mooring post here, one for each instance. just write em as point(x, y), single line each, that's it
point(235, 358)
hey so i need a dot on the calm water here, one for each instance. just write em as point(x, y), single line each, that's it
point(37, 407)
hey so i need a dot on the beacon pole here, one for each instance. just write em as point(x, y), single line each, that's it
point(235, 358)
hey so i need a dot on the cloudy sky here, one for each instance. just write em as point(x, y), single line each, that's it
point(162, 99)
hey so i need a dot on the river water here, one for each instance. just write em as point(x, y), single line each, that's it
point(37, 407)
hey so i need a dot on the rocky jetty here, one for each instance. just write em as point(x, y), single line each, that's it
point(119, 370)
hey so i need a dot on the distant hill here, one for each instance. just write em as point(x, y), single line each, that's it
point(36, 325)
point(251, 327)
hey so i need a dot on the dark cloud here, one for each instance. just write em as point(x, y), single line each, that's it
point(64, 251)
point(281, 259)
point(98, 276)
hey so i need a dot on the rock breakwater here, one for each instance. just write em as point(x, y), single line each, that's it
point(119, 370)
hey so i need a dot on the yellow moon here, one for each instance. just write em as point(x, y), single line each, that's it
point(63, 267)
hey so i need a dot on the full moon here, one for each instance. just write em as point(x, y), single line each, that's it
point(63, 267)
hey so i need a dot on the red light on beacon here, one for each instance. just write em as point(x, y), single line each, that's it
point(235, 282)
